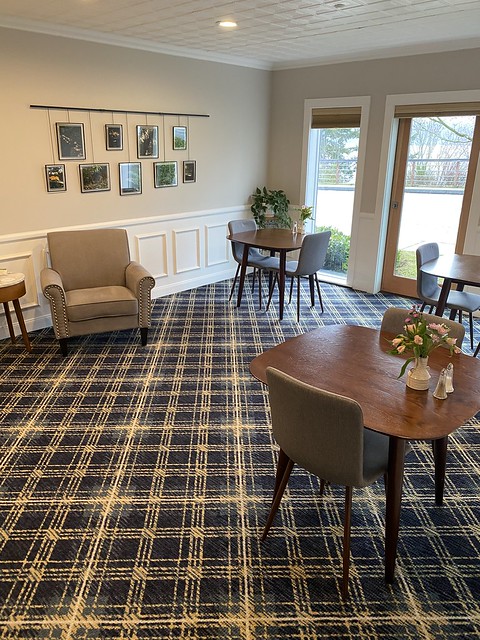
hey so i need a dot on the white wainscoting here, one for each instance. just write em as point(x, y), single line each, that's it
point(181, 251)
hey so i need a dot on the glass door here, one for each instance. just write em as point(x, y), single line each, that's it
point(431, 192)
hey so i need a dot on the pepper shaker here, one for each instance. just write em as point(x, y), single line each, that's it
point(449, 379)
point(440, 389)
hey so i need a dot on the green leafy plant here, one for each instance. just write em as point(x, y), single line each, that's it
point(338, 250)
point(274, 200)
point(305, 212)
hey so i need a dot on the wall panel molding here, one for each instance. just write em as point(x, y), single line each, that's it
point(181, 251)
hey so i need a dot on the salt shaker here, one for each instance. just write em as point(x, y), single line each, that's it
point(440, 389)
point(449, 379)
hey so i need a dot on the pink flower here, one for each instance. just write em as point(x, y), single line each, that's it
point(397, 341)
point(401, 348)
point(451, 341)
point(410, 328)
point(418, 339)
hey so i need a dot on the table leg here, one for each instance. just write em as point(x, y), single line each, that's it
point(281, 281)
point(442, 300)
point(440, 457)
point(21, 322)
point(396, 456)
point(9, 321)
point(243, 271)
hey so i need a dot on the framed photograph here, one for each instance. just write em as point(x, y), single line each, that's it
point(147, 141)
point(130, 178)
point(55, 174)
point(165, 174)
point(114, 137)
point(71, 141)
point(94, 177)
point(189, 171)
point(179, 138)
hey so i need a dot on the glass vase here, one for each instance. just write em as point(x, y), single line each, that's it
point(418, 377)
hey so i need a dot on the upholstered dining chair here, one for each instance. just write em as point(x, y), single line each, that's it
point(323, 433)
point(428, 290)
point(257, 260)
point(310, 260)
point(93, 286)
point(393, 321)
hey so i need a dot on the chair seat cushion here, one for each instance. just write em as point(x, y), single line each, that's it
point(100, 302)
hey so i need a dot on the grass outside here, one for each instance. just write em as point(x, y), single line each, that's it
point(406, 264)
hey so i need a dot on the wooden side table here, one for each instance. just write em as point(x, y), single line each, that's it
point(12, 287)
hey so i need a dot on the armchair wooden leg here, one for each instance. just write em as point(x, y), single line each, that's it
point(63, 346)
point(143, 335)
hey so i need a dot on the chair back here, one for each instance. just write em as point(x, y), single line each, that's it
point(238, 226)
point(89, 257)
point(427, 285)
point(313, 253)
point(393, 321)
point(321, 431)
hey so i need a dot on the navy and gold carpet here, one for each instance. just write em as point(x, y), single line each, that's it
point(135, 482)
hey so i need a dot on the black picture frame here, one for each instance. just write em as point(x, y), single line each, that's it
point(130, 178)
point(165, 174)
point(56, 179)
point(71, 141)
point(189, 171)
point(94, 177)
point(147, 141)
point(179, 137)
point(114, 137)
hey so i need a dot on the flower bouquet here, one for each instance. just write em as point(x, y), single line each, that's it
point(421, 338)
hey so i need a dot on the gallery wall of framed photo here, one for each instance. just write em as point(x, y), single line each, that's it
point(161, 148)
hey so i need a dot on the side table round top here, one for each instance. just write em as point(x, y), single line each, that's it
point(11, 278)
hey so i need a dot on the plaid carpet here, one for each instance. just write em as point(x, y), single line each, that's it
point(135, 482)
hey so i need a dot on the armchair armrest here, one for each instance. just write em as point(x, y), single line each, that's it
point(140, 283)
point(53, 290)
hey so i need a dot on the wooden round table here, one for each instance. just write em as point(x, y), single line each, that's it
point(12, 287)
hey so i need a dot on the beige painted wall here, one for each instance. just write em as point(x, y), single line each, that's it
point(230, 146)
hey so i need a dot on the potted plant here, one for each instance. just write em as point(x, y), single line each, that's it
point(305, 213)
point(273, 201)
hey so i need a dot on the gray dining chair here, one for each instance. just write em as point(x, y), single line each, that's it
point(428, 290)
point(311, 259)
point(257, 260)
point(393, 321)
point(323, 433)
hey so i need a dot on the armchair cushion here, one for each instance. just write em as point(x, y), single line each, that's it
point(100, 302)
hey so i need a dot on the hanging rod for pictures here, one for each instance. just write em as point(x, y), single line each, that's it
point(96, 110)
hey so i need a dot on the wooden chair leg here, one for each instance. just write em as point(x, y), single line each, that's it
point(144, 335)
point(322, 486)
point(471, 330)
point(234, 283)
point(477, 350)
point(259, 288)
point(312, 290)
point(270, 293)
point(291, 289)
point(346, 540)
point(278, 497)
point(298, 298)
point(319, 292)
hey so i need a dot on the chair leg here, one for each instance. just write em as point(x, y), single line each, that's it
point(291, 289)
point(63, 346)
point(346, 540)
point(270, 293)
point(477, 350)
point(471, 330)
point(319, 292)
point(144, 335)
point(322, 486)
point(259, 288)
point(312, 290)
point(234, 283)
point(278, 497)
point(298, 298)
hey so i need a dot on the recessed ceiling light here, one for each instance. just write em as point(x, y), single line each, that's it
point(227, 24)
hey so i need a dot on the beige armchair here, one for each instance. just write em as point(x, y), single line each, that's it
point(93, 286)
